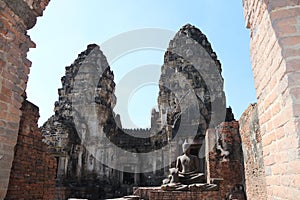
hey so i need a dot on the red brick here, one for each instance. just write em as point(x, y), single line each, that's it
point(270, 99)
point(296, 180)
point(269, 160)
point(2, 63)
point(279, 69)
point(13, 110)
point(296, 110)
point(295, 92)
point(278, 169)
point(282, 118)
point(280, 133)
point(2, 123)
point(287, 143)
point(291, 52)
point(273, 180)
point(35, 180)
point(292, 66)
point(293, 78)
point(268, 139)
point(12, 77)
point(290, 40)
point(276, 108)
point(284, 13)
point(266, 116)
point(285, 30)
point(285, 21)
point(7, 83)
point(294, 167)
point(276, 4)
point(5, 98)
point(291, 192)
point(3, 106)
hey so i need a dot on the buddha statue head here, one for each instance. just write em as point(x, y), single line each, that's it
point(185, 146)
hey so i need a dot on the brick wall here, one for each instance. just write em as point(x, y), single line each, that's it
point(62, 193)
point(253, 156)
point(275, 53)
point(34, 170)
point(231, 168)
point(15, 18)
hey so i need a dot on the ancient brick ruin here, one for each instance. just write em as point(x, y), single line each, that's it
point(269, 133)
point(76, 137)
point(253, 155)
point(16, 18)
point(274, 48)
point(34, 169)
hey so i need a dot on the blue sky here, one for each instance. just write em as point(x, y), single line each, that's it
point(68, 26)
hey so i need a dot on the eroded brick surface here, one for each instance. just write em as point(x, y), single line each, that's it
point(255, 182)
point(274, 45)
point(15, 19)
point(34, 170)
point(226, 162)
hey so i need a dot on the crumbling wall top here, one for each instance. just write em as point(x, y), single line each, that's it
point(27, 10)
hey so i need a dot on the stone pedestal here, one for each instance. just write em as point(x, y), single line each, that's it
point(155, 193)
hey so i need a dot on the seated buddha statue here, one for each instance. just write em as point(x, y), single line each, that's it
point(189, 167)
point(187, 171)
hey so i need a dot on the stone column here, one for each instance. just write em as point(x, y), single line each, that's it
point(121, 177)
point(275, 54)
point(79, 162)
point(154, 164)
point(16, 18)
point(136, 178)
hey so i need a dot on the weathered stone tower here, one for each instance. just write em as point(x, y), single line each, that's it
point(191, 97)
point(83, 114)
point(191, 105)
point(190, 66)
point(90, 146)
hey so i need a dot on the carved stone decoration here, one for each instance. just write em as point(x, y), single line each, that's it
point(69, 130)
point(183, 78)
